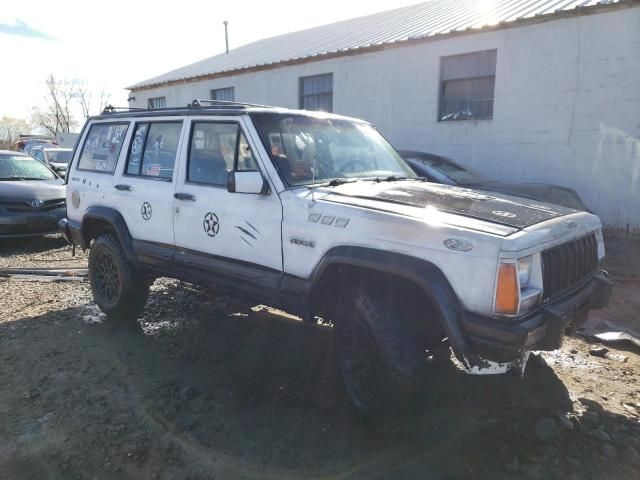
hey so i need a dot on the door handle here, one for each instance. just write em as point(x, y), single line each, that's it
point(122, 186)
point(184, 196)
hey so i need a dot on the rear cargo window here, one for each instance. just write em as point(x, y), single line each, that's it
point(102, 146)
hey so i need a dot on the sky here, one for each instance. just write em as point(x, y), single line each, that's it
point(107, 46)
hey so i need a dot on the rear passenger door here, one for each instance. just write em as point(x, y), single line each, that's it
point(146, 185)
point(231, 239)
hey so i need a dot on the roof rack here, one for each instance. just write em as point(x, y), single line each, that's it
point(198, 102)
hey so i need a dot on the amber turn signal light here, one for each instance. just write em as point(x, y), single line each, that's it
point(507, 293)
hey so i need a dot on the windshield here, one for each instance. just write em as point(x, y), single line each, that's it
point(309, 149)
point(18, 167)
point(59, 156)
point(460, 175)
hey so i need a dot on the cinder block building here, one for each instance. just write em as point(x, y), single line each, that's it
point(531, 90)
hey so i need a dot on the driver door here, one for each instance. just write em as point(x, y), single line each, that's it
point(232, 240)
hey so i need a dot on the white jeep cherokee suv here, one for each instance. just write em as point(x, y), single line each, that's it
point(318, 215)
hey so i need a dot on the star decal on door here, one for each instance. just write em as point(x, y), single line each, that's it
point(146, 211)
point(211, 224)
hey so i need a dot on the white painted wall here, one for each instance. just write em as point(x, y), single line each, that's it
point(567, 104)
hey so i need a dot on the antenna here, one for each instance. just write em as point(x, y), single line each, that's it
point(226, 35)
point(313, 180)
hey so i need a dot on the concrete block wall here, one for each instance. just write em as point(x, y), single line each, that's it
point(566, 111)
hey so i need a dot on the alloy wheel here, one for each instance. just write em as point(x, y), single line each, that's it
point(107, 278)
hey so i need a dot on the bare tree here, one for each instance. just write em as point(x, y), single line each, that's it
point(10, 130)
point(86, 100)
point(56, 114)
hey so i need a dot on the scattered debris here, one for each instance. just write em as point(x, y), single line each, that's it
point(46, 274)
point(598, 351)
point(616, 356)
point(609, 332)
point(615, 337)
point(632, 408)
point(92, 314)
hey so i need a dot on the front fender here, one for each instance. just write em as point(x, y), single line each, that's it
point(423, 273)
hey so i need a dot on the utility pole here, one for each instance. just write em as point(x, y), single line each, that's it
point(226, 35)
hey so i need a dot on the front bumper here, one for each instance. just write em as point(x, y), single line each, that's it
point(502, 340)
point(30, 224)
point(71, 231)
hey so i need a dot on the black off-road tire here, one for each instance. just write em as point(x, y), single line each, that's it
point(381, 362)
point(117, 288)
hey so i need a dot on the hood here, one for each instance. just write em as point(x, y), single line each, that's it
point(32, 189)
point(542, 192)
point(514, 212)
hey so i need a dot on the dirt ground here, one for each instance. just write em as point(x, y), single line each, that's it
point(210, 386)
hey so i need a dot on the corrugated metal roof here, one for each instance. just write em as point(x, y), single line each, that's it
point(427, 19)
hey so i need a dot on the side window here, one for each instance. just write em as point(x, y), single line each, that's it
point(215, 150)
point(102, 146)
point(136, 148)
point(153, 149)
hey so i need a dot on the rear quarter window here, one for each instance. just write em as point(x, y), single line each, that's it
point(102, 147)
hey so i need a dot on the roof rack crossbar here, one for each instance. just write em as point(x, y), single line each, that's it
point(198, 102)
point(112, 109)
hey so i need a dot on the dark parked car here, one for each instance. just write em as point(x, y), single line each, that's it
point(32, 196)
point(444, 170)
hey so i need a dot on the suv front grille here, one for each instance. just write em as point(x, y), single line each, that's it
point(567, 265)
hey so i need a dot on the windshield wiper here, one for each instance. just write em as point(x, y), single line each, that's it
point(394, 178)
point(339, 181)
point(334, 182)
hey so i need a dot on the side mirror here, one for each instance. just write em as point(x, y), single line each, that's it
point(247, 181)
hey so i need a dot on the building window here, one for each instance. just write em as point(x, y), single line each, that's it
point(223, 94)
point(316, 92)
point(157, 102)
point(467, 86)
